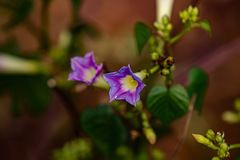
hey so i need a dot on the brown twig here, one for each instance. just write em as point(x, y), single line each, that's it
point(184, 134)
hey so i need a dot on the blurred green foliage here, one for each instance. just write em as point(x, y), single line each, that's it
point(104, 128)
point(74, 150)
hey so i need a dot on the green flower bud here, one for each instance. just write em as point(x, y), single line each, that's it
point(169, 27)
point(194, 19)
point(210, 134)
point(185, 15)
point(231, 117)
point(227, 154)
point(219, 138)
point(156, 24)
point(169, 61)
point(154, 56)
point(216, 158)
point(172, 68)
point(165, 72)
point(165, 20)
point(150, 135)
point(189, 10)
point(195, 11)
point(237, 104)
point(224, 146)
point(205, 141)
point(221, 153)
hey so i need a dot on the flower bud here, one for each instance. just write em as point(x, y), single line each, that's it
point(210, 134)
point(165, 71)
point(194, 19)
point(216, 158)
point(237, 104)
point(158, 25)
point(219, 138)
point(150, 135)
point(165, 20)
point(154, 56)
point(205, 141)
point(224, 146)
point(195, 11)
point(189, 10)
point(231, 117)
point(221, 153)
point(185, 15)
point(169, 27)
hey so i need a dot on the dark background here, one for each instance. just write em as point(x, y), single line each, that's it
point(33, 138)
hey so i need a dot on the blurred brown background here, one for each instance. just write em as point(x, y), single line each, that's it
point(33, 138)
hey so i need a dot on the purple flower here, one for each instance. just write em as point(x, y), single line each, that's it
point(85, 69)
point(124, 84)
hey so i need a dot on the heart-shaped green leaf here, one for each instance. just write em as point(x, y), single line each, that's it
point(104, 128)
point(168, 105)
point(142, 34)
point(198, 85)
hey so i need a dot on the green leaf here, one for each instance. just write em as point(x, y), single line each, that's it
point(142, 34)
point(27, 90)
point(205, 25)
point(105, 128)
point(168, 105)
point(198, 85)
point(20, 12)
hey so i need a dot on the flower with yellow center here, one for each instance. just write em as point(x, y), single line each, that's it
point(124, 84)
point(85, 69)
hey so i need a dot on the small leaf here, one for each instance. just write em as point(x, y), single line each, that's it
point(205, 25)
point(198, 85)
point(168, 105)
point(142, 34)
point(105, 128)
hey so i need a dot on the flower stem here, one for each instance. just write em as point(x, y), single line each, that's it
point(144, 73)
point(185, 129)
point(234, 146)
point(180, 35)
point(154, 69)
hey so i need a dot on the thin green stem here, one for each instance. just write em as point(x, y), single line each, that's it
point(169, 80)
point(180, 35)
point(185, 129)
point(234, 146)
point(154, 69)
point(144, 73)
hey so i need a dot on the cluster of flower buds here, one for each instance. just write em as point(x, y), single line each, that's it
point(215, 142)
point(167, 65)
point(190, 15)
point(164, 27)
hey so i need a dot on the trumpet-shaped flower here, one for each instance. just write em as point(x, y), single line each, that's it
point(124, 84)
point(85, 69)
